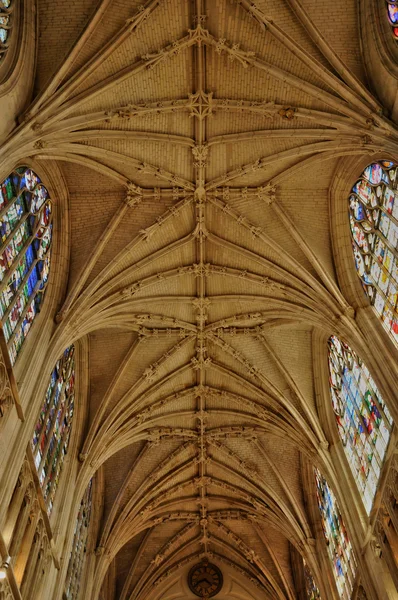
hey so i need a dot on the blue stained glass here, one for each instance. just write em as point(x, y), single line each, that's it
point(373, 214)
point(25, 260)
point(363, 420)
point(393, 12)
point(16, 179)
point(312, 590)
point(52, 431)
point(373, 173)
point(32, 281)
point(339, 547)
point(79, 546)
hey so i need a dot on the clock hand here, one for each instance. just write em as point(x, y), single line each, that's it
point(204, 579)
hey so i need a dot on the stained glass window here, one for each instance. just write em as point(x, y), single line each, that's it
point(392, 12)
point(5, 25)
point(52, 432)
point(311, 588)
point(79, 547)
point(363, 419)
point(374, 227)
point(25, 229)
point(338, 545)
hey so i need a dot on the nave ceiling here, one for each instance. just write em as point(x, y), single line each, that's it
point(198, 143)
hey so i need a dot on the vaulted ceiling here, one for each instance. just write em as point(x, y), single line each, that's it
point(198, 141)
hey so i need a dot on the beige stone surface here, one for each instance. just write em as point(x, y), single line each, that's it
point(198, 144)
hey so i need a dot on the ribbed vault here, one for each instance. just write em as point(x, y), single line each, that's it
point(198, 142)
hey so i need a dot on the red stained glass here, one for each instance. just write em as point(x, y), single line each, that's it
point(52, 431)
point(373, 214)
point(363, 420)
point(26, 233)
point(392, 15)
point(339, 547)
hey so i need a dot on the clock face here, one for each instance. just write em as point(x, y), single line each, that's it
point(205, 580)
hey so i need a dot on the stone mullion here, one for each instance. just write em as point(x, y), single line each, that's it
point(12, 233)
point(21, 253)
point(74, 559)
point(50, 433)
point(62, 445)
point(24, 313)
point(77, 563)
point(22, 285)
point(76, 575)
point(50, 498)
point(47, 416)
point(11, 203)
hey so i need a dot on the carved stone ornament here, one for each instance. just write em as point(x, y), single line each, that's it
point(200, 153)
point(205, 580)
point(361, 593)
point(6, 397)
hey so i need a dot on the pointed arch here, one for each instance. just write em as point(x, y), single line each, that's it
point(339, 548)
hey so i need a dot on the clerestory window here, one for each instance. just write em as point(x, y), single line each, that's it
point(79, 546)
point(311, 587)
point(51, 437)
point(363, 419)
point(339, 547)
point(5, 25)
point(374, 227)
point(26, 231)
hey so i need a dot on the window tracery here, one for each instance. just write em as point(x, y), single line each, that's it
point(79, 546)
point(311, 588)
point(26, 231)
point(363, 419)
point(374, 228)
point(338, 544)
point(392, 12)
point(52, 432)
point(5, 25)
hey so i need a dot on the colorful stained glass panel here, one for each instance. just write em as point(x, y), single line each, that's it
point(26, 231)
point(52, 431)
point(392, 9)
point(79, 547)
point(363, 419)
point(339, 547)
point(311, 588)
point(373, 208)
point(5, 25)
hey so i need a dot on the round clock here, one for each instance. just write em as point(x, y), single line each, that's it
point(205, 580)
